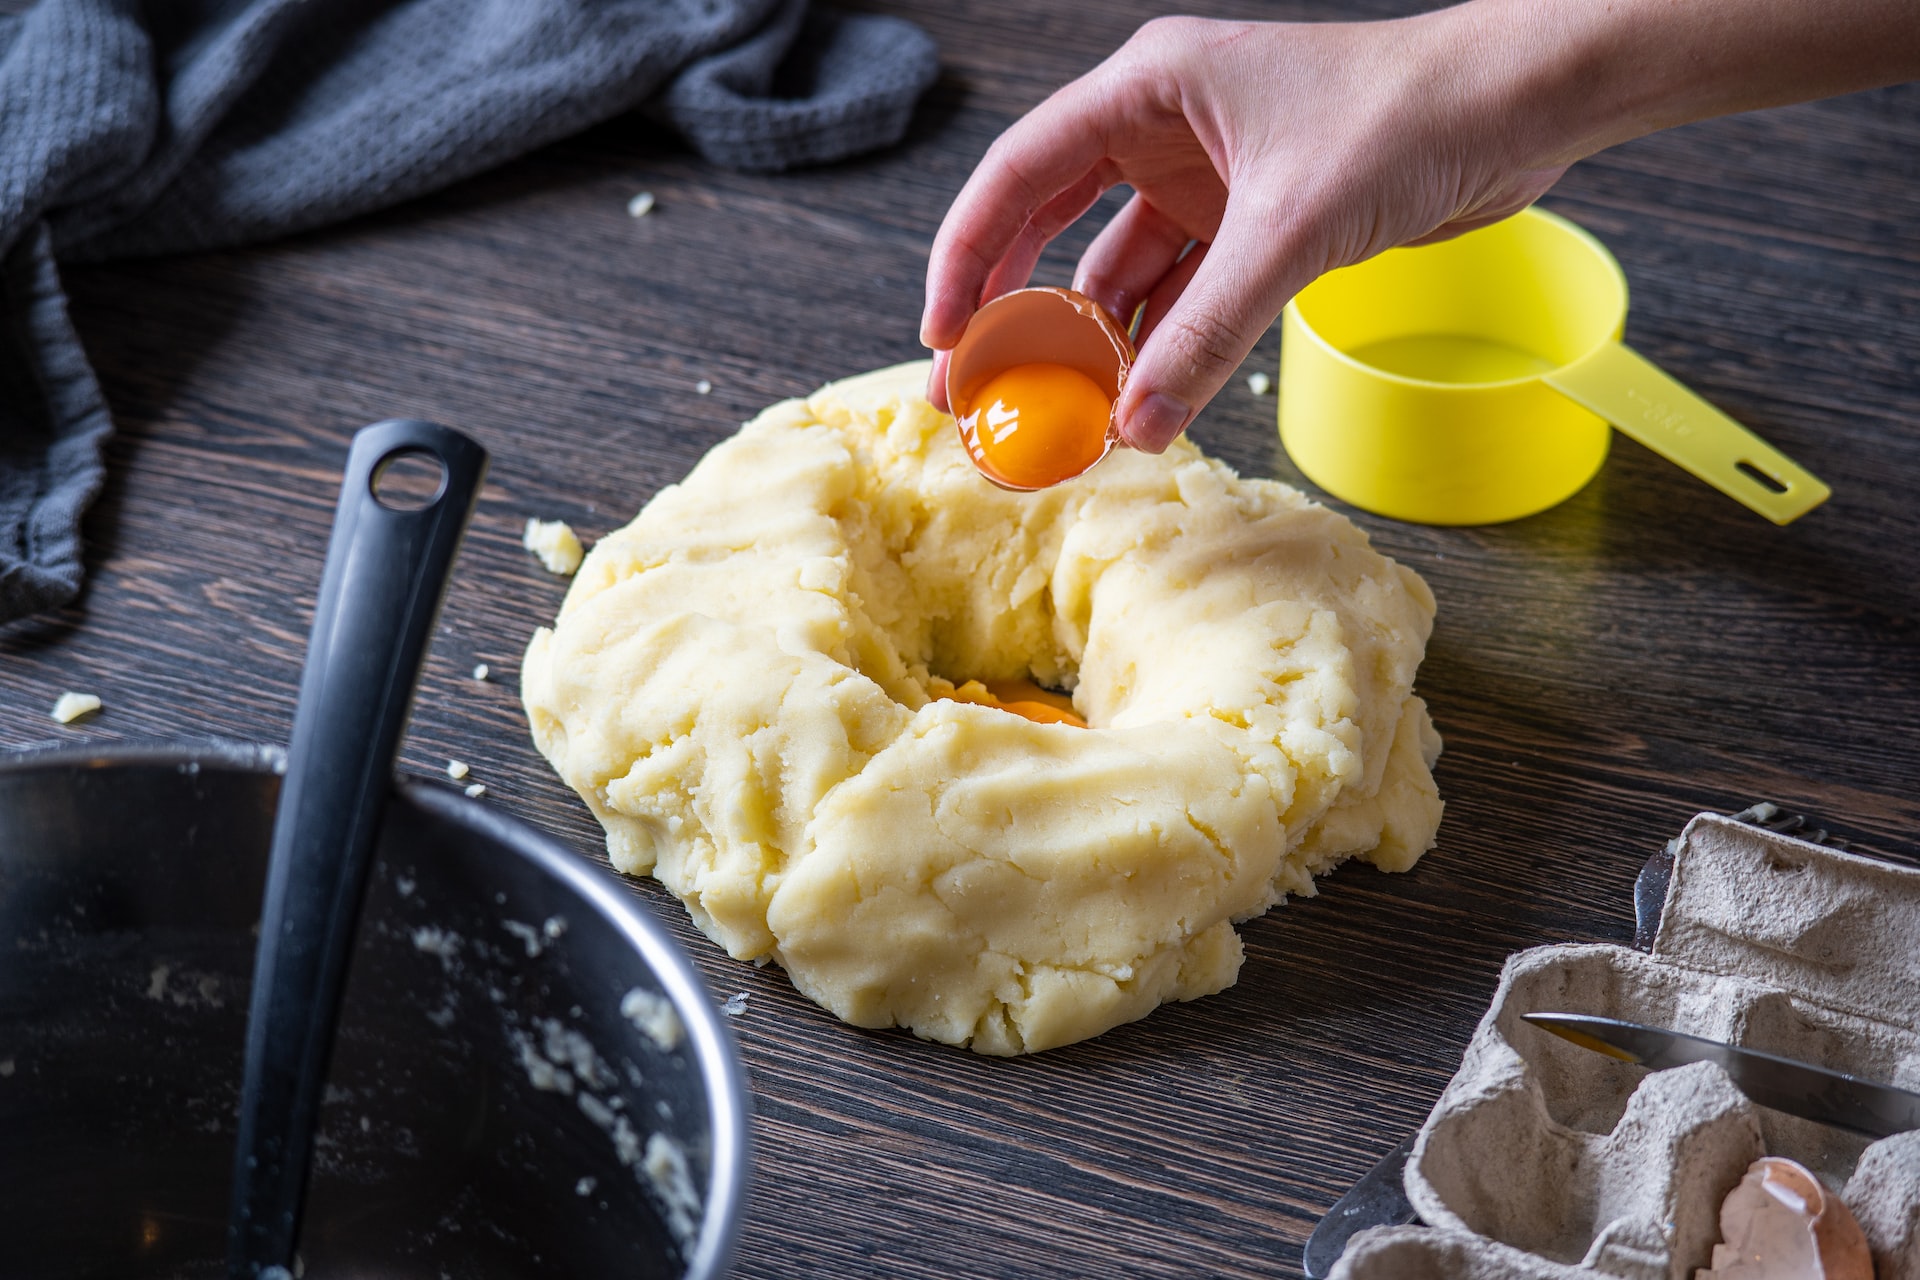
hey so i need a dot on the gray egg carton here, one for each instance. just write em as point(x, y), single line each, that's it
point(1544, 1161)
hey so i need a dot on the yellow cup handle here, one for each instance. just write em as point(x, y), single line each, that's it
point(1642, 400)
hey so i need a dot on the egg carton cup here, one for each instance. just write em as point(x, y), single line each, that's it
point(1545, 1161)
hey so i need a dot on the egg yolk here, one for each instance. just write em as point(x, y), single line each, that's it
point(1035, 425)
point(1022, 698)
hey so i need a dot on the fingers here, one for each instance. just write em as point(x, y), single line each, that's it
point(1130, 256)
point(1040, 166)
point(1155, 306)
point(1016, 268)
point(937, 381)
point(1207, 323)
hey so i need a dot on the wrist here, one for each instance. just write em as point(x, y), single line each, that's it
point(1572, 77)
point(1542, 83)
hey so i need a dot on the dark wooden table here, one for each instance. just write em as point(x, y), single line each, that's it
point(1600, 672)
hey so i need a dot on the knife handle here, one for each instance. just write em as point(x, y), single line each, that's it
point(1378, 1199)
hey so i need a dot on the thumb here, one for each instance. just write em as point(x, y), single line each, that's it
point(1210, 316)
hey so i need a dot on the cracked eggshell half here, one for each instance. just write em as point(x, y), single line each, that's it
point(1036, 326)
point(1781, 1224)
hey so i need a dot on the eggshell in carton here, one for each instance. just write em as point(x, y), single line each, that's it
point(1544, 1161)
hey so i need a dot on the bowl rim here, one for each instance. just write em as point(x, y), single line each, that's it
point(724, 1205)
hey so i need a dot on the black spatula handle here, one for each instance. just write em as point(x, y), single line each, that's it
point(385, 576)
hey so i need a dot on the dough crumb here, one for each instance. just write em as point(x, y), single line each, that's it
point(666, 1169)
point(703, 387)
point(528, 935)
point(641, 205)
point(71, 706)
point(567, 1047)
point(1259, 383)
point(555, 543)
point(655, 1016)
point(438, 942)
point(541, 1074)
point(736, 1005)
point(480, 671)
point(475, 791)
point(457, 769)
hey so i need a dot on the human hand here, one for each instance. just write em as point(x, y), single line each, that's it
point(1278, 150)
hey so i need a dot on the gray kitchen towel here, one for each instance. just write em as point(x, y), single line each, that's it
point(130, 128)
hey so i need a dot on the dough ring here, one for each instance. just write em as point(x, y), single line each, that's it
point(744, 685)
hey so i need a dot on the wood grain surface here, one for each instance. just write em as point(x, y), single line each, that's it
point(1600, 672)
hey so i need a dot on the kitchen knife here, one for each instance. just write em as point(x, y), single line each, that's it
point(1379, 1199)
point(1798, 1088)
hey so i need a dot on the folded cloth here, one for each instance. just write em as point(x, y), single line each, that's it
point(131, 128)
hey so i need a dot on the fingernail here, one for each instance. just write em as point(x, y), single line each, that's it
point(940, 319)
point(1155, 421)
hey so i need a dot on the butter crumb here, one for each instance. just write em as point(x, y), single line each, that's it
point(557, 545)
point(477, 790)
point(71, 706)
point(457, 769)
point(703, 387)
point(1259, 383)
point(480, 671)
point(641, 205)
point(736, 1005)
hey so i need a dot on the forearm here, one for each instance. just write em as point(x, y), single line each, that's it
point(1586, 74)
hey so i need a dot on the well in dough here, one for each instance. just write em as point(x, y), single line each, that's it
point(743, 685)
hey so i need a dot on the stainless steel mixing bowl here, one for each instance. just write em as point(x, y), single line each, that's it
point(490, 1110)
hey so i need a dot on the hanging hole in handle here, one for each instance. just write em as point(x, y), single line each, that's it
point(408, 480)
point(1760, 477)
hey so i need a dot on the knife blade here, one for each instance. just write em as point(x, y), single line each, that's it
point(1866, 1107)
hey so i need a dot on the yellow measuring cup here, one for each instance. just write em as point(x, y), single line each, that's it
point(1473, 381)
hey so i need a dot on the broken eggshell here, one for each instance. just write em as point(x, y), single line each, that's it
point(1036, 326)
point(1781, 1224)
